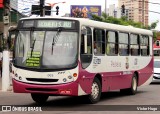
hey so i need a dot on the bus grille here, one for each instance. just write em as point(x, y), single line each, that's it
point(42, 80)
point(42, 89)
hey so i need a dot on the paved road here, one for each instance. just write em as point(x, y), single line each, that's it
point(147, 95)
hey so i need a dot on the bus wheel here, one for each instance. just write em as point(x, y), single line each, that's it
point(95, 95)
point(133, 89)
point(39, 98)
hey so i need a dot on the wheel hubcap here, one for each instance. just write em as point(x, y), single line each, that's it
point(134, 83)
point(95, 90)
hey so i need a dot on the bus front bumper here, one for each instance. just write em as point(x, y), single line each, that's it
point(69, 89)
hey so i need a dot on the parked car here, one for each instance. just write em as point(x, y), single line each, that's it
point(156, 75)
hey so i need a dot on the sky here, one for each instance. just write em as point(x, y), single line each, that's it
point(65, 7)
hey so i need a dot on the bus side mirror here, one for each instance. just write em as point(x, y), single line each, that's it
point(11, 36)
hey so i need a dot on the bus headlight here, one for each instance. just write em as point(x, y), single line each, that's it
point(69, 77)
point(20, 78)
point(16, 75)
point(64, 79)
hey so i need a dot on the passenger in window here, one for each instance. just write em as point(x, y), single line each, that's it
point(95, 48)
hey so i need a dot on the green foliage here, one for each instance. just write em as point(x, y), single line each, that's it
point(123, 21)
point(154, 36)
point(154, 24)
point(104, 15)
point(96, 18)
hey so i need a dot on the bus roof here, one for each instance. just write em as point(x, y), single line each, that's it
point(92, 23)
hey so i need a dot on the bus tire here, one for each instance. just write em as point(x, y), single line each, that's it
point(133, 89)
point(96, 90)
point(39, 98)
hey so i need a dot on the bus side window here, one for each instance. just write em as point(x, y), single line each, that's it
point(99, 41)
point(123, 44)
point(134, 44)
point(112, 43)
point(86, 58)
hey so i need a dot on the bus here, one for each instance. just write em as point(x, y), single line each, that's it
point(74, 57)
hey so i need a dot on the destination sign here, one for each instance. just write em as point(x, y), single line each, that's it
point(29, 23)
point(55, 24)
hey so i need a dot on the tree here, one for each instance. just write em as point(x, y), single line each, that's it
point(122, 21)
point(97, 18)
point(153, 26)
point(104, 15)
point(154, 36)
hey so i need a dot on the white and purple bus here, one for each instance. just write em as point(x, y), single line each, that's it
point(74, 57)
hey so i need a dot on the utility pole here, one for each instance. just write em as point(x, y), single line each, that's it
point(106, 7)
point(42, 8)
point(5, 65)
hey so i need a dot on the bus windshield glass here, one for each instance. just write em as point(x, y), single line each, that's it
point(35, 49)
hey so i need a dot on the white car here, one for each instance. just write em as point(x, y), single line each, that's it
point(156, 76)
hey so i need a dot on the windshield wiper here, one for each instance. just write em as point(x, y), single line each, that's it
point(31, 33)
point(33, 46)
point(55, 38)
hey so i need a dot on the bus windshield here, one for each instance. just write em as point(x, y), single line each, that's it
point(35, 49)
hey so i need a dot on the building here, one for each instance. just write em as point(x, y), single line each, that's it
point(13, 15)
point(113, 11)
point(137, 10)
point(8, 18)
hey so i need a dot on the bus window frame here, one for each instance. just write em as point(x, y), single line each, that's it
point(148, 46)
point(122, 54)
point(138, 44)
point(115, 43)
point(103, 41)
point(82, 55)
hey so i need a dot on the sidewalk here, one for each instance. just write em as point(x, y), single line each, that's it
point(9, 89)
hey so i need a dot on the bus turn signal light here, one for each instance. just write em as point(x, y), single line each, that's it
point(75, 75)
